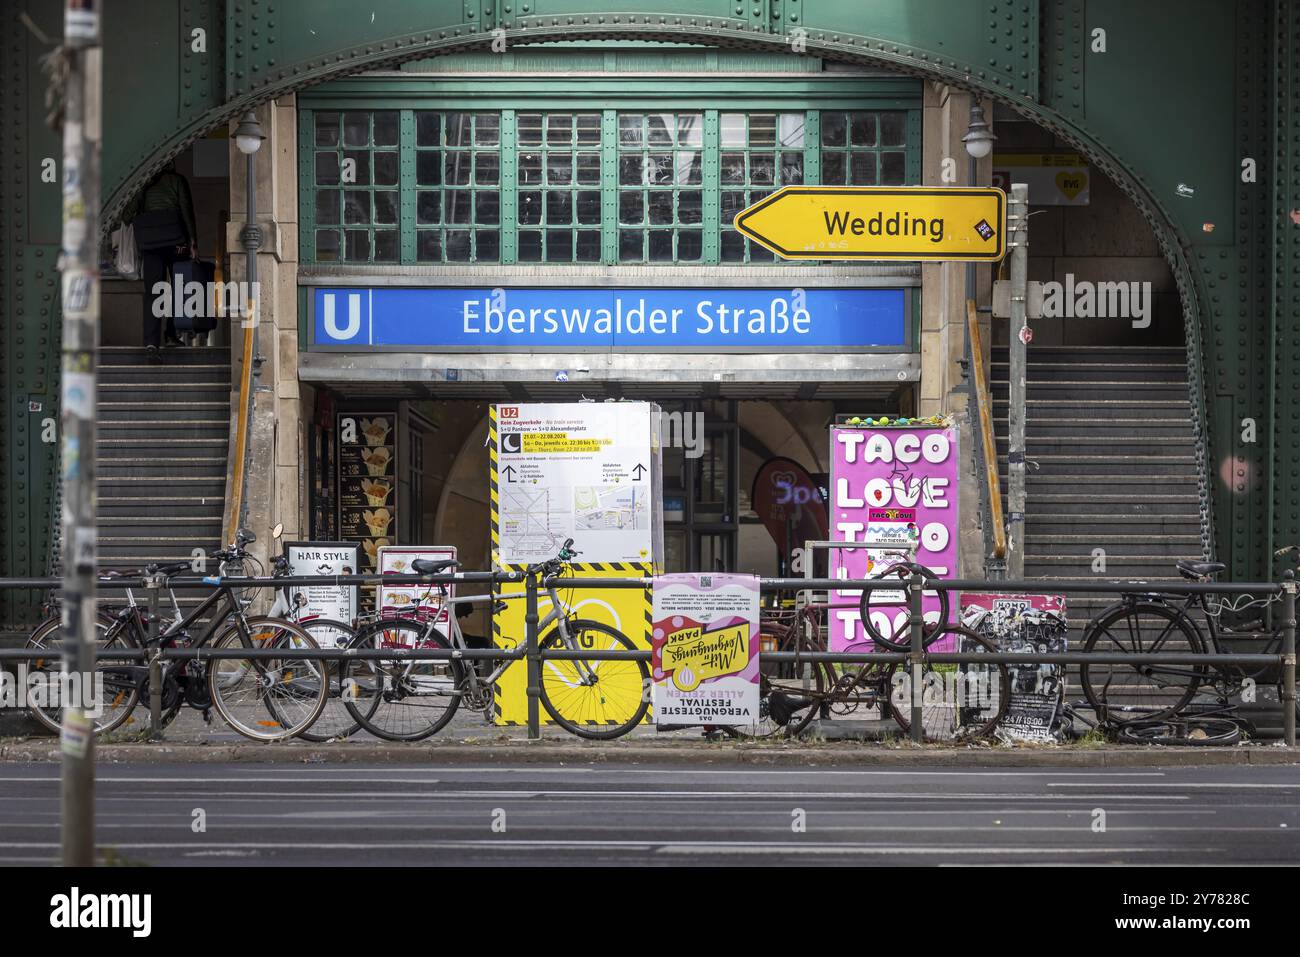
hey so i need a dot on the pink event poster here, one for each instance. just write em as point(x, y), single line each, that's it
point(891, 486)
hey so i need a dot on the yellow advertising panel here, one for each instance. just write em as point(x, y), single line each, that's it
point(626, 609)
point(927, 223)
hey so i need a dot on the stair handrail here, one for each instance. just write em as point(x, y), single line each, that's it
point(985, 406)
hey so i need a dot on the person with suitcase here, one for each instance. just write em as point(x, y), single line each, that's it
point(162, 216)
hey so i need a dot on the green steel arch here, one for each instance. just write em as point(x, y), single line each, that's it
point(1166, 98)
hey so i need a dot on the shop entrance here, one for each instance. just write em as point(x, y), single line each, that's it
point(744, 478)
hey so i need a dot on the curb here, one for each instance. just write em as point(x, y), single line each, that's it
point(737, 754)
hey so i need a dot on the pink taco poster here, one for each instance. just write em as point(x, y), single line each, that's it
point(892, 488)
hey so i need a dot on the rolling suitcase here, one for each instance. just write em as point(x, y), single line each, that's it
point(200, 271)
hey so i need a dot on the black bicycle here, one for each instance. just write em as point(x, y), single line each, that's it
point(266, 699)
point(1155, 622)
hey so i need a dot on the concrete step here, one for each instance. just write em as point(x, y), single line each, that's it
point(1066, 427)
point(1064, 546)
point(163, 431)
point(1098, 408)
point(138, 355)
point(158, 449)
point(126, 506)
point(1171, 371)
point(194, 466)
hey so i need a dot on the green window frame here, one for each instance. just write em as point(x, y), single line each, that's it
point(539, 179)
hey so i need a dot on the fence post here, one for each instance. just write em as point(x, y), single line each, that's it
point(153, 583)
point(1288, 656)
point(534, 657)
point(914, 588)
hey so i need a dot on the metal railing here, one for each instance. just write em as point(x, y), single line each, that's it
point(915, 657)
point(984, 402)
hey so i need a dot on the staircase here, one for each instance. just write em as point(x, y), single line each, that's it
point(1110, 428)
point(161, 452)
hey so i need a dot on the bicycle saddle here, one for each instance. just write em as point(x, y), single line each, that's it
point(1191, 569)
point(423, 566)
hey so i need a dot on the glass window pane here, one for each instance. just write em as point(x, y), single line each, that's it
point(559, 129)
point(659, 169)
point(386, 128)
point(790, 129)
point(690, 130)
point(327, 169)
point(427, 126)
point(893, 169)
point(487, 207)
point(386, 169)
point(893, 128)
point(630, 170)
point(327, 129)
point(385, 245)
point(690, 206)
point(629, 129)
point(487, 169)
point(528, 246)
point(487, 245)
point(356, 206)
point(357, 245)
point(732, 203)
point(530, 207)
point(862, 169)
point(631, 209)
point(661, 246)
point(690, 245)
point(428, 206)
point(833, 169)
point(428, 245)
point(559, 207)
point(833, 132)
point(458, 129)
point(455, 205)
point(455, 169)
point(588, 129)
point(660, 128)
point(529, 126)
point(762, 129)
point(385, 208)
point(588, 169)
point(559, 169)
point(559, 246)
point(862, 129)
point(327, 207)
point(356, 167)
point(630, 245)
point(733, 129)
point(762, 169)
point(733, 247)
point(733, 169)
point(757, 254)
point(356, 129)
point(327, 245)
point(588, 206)
point(487, 129)
point(428, 167)
point(530, 168)
point(661, 208)
point(688, 169)
point(791, 169)
point(457, 245)
point(588, 246)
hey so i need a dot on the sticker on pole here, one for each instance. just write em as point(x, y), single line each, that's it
point(77, 729)
point(705, 650)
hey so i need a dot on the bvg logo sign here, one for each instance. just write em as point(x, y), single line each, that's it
point(509, 411)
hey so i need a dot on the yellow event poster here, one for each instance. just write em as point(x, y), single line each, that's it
point(626, 609)
point(705, 649)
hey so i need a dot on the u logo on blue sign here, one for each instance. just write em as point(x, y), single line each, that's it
point(353, 326)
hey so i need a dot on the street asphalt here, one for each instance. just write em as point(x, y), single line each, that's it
point(513, 813)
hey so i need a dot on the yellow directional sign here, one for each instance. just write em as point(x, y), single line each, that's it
point(930, 223)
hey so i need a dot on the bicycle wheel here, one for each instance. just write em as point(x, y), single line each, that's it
point(958, 701)
point(599, 699)
point(885, 612)
point(790, 696)
point(401, 700)
point(1181, 732)
point(115, 700)
point(1140, 691)
point(335, 720)
point(267, 699)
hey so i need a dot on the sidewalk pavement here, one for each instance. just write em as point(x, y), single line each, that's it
point(501, 748)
